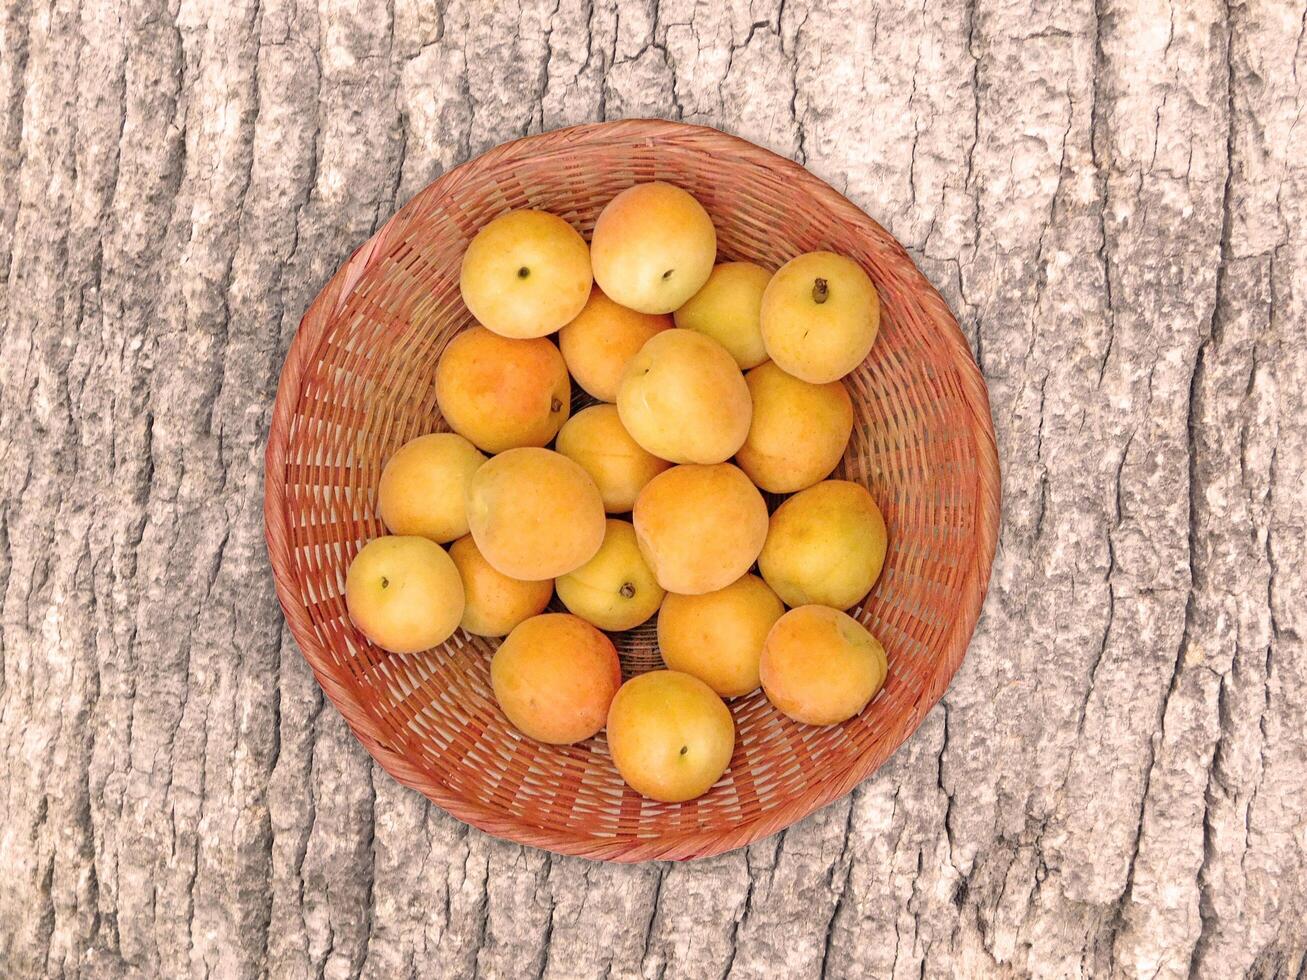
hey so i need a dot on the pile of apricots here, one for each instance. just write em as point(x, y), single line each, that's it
point(714, 381)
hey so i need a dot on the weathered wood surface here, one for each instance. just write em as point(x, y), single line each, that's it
point(1110, 194)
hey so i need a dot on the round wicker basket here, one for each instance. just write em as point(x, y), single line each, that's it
point(358, 382)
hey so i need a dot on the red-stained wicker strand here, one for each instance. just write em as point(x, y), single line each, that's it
point(357, 384)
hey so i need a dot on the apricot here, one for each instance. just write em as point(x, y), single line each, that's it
point(596, 439)
point(683, 398)
point(554, 677)
point(718, 636)
point(423, 487)
point(727, 309)
point(670, 736)
point(495, 602)
point(534, 514)
point(403, 592)
point(614, 590)
point(500, 393)
point(825, 545)
point(700, 527)
point(525, 274)
point(820, 666)
point(799, 430)
point(599, 343)
point(653, 247)
point(820, 314)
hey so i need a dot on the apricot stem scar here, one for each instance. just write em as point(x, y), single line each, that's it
point(820, 291)
point(523, 272)
point(627, 590)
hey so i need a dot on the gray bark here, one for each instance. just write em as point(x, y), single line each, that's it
point(1109, 193)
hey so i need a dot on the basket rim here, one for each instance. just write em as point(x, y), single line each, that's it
point(685, 844)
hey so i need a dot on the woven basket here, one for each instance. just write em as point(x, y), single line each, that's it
point(358, 383)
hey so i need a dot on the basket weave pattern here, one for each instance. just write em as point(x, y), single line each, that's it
point(358, 383)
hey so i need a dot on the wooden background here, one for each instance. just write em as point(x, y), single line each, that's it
point(1110, 194)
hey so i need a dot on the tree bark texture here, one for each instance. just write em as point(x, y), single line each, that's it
point(1110, 193)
